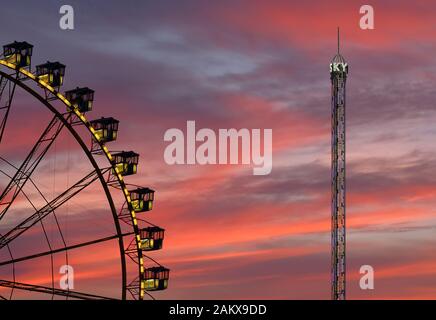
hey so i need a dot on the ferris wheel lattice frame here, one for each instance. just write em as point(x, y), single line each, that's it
point(16, 59)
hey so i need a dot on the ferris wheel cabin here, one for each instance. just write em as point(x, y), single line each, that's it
point(156, 278)
point(52, 73)
point(126, 162)
point(106, 129)
point(18, 53)
point(81, 98)
point(152, 238)
point(142, 199)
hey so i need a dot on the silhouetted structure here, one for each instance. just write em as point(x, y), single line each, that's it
point(134, 240)
point(338, 76)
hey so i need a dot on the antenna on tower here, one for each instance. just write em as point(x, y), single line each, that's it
point(338, 40)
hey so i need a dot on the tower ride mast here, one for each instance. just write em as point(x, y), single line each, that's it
point(338, 77)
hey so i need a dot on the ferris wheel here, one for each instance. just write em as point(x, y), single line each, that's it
point(47, 193)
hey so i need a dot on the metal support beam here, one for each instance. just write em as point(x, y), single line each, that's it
point(49, 208)
point(80, 245)
point(29, 165)
point(51, 291)
point(4, 109)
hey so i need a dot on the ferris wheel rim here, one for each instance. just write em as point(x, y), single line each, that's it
point(104, 149)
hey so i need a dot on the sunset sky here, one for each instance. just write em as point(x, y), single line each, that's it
point(256, 64)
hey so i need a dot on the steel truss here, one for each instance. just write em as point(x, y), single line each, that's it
point(338, 232)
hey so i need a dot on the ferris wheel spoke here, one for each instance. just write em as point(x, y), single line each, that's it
point(29, 165)
point(4, 109)
point(66, 248)
point(52, 291)
point(50, 207)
